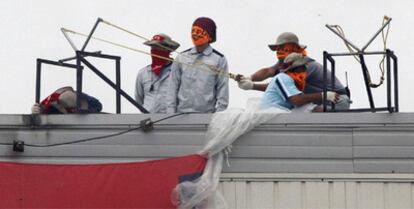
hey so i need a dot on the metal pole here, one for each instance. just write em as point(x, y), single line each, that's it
point(332, 61)
point(366, 80)
point(91, 33)
point(38, 79)
point(389, 82)
point(325, 57)
point(78, 80)
point(118, 85)
point(356, 53)
point(343, 38)
point(395, 63)
point(376, 34)
point(109, 82)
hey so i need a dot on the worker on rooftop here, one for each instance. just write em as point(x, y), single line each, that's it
point(151, 85)
point(287, 43)
point(63, 101)
point(285, 90)
point(199, 80)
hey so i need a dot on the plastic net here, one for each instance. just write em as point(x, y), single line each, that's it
point(225, 127)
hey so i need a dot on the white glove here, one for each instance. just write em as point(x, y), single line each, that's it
point(247, 78)
point(245, 83)
point(36, 109)
point(331, 96)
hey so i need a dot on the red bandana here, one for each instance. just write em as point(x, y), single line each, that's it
point(157, 62)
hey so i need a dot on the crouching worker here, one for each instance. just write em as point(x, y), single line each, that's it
point(152, 84)
point(285, 90)
point(63, 101)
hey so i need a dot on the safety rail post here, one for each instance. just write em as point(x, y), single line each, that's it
point(118, 85)
point(38, 80)
point(395, 66)
point(332, 61)
point(325, 69)
point(79, 78)
point(389, 105)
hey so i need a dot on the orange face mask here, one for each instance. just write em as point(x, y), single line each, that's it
point(199, 36)
point(284, 50)
point(299, 78)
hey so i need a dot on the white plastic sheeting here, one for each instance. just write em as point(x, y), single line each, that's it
point(225, 127)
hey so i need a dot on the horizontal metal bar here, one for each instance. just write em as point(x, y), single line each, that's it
point(358, 53)
point(74, 58)
point(93, 54)
point(50, 62)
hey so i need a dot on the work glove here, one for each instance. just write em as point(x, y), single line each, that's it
point(240, 77)
point(331, 96)
point(36, 109)
point(245, 83)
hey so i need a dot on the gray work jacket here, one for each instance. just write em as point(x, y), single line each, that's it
point(151, 91)
point(194, 86)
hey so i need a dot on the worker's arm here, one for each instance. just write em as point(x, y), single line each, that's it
point(260, 86)
point(222, 87)
point(301, 99)
point(263, 74)
point(139, 89)
point(174, 86)
point(247, 83)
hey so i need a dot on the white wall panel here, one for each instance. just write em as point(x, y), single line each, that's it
point(310, 194)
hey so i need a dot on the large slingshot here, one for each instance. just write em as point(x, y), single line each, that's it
point(359, 54)
point(81, 60)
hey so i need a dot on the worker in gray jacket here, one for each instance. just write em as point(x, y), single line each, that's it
point(151, 86)
point(199, 80)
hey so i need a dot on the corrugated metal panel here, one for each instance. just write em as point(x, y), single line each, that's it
point(318, 195)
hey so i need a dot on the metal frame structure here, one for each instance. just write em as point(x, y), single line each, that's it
point(80, 61)
point(361, 53)
point(390, 79)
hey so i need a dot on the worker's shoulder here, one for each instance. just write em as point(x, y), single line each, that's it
point(144, 70)
point(282, 76)
point(218, 53)
point(314, 63)
point(187, 50)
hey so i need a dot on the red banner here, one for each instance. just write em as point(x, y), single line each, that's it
point(119, 185)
